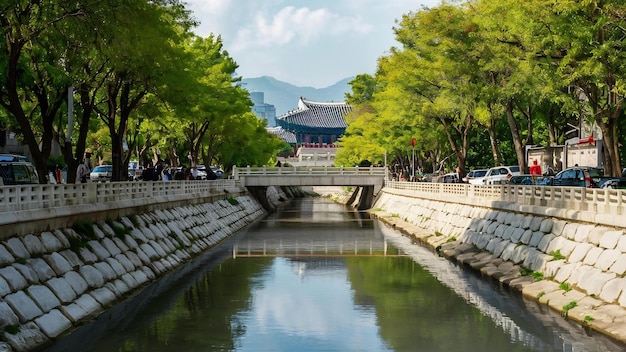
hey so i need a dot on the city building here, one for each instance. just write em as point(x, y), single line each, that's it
point(262, 109)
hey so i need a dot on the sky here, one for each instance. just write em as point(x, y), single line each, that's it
point(308, 43)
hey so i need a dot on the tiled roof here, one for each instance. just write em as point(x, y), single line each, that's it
point(316, 118)
point(286, 136)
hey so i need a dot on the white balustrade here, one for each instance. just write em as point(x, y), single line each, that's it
point(308, 170)
point(606, 205)
point(33, 197)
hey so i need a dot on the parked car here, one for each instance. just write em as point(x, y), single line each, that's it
point(475, 176)
point(451, 177)
point(530, 180)
point(219, 173)
point(102, 173)
point(580, 176)
point(202, 173)
point(17, 173)
point(500, 175)
point(13, 157)
point(616, 182)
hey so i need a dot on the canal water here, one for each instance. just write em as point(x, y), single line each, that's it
point(317, 276)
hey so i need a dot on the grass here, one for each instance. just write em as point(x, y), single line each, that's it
point(541, 294)
point(133, 218)
point(120, 231)
point(567, 307)
point(556, 255)
point(537, 275)
point(233, 201)
point(588, 320)
point(85, 229)
point(12, 329)
point(565, 287)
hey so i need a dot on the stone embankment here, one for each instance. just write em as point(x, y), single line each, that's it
point(573, 267)
point(53, 281)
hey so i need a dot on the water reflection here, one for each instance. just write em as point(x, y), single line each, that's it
point(307, 306)
point(316, 277)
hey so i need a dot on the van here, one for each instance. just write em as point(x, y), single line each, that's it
point(17, 173)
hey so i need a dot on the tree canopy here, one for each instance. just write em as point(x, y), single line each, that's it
point(480, 75)
point(139, 82)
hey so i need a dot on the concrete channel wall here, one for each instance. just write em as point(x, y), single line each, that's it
point(53, 281)
point(573, 266)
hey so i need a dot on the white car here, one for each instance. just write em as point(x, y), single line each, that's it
point(500, 175)
point(475, 177)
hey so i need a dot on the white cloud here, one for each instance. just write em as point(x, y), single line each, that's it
point(296, 25)
point(307, 43)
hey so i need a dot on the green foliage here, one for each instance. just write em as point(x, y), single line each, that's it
point(233, 201)
point(568, 307)
point(541, 294)
point(133, 218)
point(565, 287)
point(85, 229)
point(588, 320)
point(119, 231)
point(538, 276)
point(11, 329)
point(76, 243)
point(556, 255)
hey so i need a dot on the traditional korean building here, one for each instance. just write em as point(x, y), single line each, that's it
point(316, 124)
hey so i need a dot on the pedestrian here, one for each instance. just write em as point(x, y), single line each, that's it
point(148, 173)
point(58, 175)
point(82, 172)
point(180, 174)
point(165, 174)
point(535, 168)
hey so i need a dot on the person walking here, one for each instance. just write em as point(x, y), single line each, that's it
point(82, 172)
point(535, 168)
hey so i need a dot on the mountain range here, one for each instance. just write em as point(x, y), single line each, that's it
point(284, 96)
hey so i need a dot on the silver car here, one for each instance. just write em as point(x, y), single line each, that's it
point(102, 173)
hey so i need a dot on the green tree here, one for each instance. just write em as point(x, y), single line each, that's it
point(33, 84)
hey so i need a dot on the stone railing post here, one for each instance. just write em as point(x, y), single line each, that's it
point(91, 192)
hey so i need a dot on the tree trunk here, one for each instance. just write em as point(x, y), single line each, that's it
point(495, 149)
point(517, 140)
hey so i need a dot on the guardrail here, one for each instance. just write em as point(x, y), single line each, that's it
point(606, 206)
point(37, 196)
point(307, 170)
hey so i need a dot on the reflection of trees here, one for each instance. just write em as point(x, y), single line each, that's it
point(417, 313)
point(214, 299)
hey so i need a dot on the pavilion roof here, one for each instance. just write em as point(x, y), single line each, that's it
point(285, 135)
point(316, 118)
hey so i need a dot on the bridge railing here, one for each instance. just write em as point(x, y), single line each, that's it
point(34, 197)
point(307, 170)
point(593, 204)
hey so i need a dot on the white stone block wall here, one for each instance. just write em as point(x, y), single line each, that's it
point(47, 287)
point(594, 256)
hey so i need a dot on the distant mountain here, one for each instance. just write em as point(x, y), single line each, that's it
point(284, 96)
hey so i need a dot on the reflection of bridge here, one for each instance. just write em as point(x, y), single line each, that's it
point(325, 247)
point(369, 179)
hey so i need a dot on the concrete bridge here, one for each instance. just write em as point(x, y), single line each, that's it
point(369, 180)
